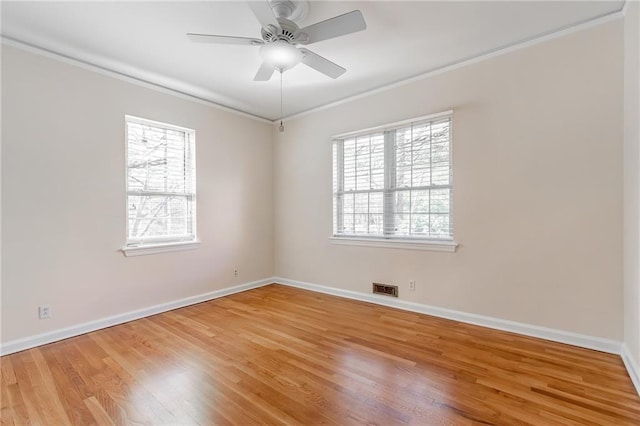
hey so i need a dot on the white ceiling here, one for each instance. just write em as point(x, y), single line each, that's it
point(147, 40)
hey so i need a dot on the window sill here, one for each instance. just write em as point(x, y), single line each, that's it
point(142, 250)
point(431, 245)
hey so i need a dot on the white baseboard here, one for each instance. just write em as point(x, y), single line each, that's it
point(64, 333)
point(570, 338)
point(632, 366)
point(581, 340)
point(561, 336)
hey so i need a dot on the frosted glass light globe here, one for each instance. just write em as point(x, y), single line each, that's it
point(280, 54)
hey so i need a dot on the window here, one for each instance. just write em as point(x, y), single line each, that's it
point(161, 190)
point(394, 182)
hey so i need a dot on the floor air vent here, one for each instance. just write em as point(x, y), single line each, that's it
point(387, 290)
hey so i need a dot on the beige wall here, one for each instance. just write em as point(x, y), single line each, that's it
point(537, 151)
point(632, 179)
point(537, 200)
point(63, 197)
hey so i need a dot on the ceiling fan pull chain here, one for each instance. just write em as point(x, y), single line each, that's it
point(281, 125)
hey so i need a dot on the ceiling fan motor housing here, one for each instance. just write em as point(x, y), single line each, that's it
point(286, 32)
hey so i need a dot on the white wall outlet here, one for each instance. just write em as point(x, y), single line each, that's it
point(235, 272)
point(412, 285)
point(44, 311)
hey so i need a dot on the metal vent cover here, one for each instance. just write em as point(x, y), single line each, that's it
point(385, 289)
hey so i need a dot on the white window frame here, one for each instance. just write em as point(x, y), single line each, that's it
point(138, 247)
point(390, 241)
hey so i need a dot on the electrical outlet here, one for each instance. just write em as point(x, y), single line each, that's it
point(235, 272)
point(44, 311)
point(412, 285)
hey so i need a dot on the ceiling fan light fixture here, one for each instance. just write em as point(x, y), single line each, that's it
point(280, 55)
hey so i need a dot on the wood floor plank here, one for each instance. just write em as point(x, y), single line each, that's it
point(280, 355)
point(40, 397)
point(8, 375)
point(100, 415)
point(14, 410)
point(71, 388)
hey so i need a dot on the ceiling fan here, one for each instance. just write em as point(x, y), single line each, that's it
point(281, 36)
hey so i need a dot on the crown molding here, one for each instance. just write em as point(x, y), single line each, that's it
point(625, 7)
point(541, 38)
point(146, 80)
point(170, 86)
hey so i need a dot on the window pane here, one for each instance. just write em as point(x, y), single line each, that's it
point(160, 182)
point(363, 180)
point(334, 155)
point(440, 130)
point(440, 227)
point(375, 224)
point(348, 223)
point(376, 202)
point(349, 181)
point(440, 153)
point(420, 224)
point(421, 177)
point(362, 203)
point(349, 165)
point(420, 149)
point(440, 175)
point(401, 221)
point(159, 216)
point(377, 155)
point(439, 202)
point(361, 223)
point(157, 160)
point(402, 202)
point(348, 203)
point(335, 215)
point(420, 201)
point(403, 177)
point(377, 181)
point(403, 147)
point(363, 161)
point(414, 199)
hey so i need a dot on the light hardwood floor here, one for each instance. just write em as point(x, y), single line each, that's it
point(279, 355)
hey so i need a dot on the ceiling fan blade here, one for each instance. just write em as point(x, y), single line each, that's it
point(262, 10)
point(264, 73)
point(321, 64)
point(340, 25)
point(218, 39)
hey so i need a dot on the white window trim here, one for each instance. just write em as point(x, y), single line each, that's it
point(142, 250)
point(395, 124)
point(144, 247)
point(396, 243)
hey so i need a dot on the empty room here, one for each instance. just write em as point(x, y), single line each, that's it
point(320, 212)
